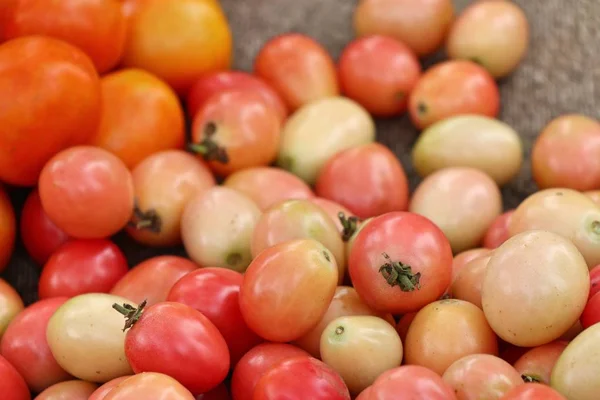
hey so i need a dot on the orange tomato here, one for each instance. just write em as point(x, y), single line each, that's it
point(141, 116)
point(7, 229)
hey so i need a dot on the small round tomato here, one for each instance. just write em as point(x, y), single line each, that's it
point(25, 346)
point(594, 281)
point(49, 100)
point(463, 258)
point(11, 305)
point(334, 209)
point(298, 68)
point(235, 130)
point(591, 312)
point(301, 378)
point(215, 293)
point(12, 385)
point(163, 184)
point(149, 385)
point(452, 88)
point(497, 232)
point(105, 389)
point(400, 262)
point(287, 289)
point(467, 284)
point(70, 390)
point(7, 229)
point(533, 391)
point(410, 382)
point(177, 340)
point(536, 364)
point(87, 192)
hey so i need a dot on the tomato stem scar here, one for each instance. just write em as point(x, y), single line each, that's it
point(131, 313)
point(399, 274)
point(530, 379)
point(421, 108)
point(339, 330)
point(208, 148)
point(596, 227)
point(350, 224)
point(148, 220)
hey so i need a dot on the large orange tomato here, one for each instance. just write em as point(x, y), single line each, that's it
point(49, 100)
point(7, 229)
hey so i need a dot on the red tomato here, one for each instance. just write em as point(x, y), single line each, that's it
point(215, 293)
point(178, 341)
point(298, 67)
point(463, 258)
point(82, 266)
point(410, 382)
point(49, 100)
point(400, 262)
point(533, 391)
point(591, 313)
point(536, 364)
point(497, 233)
point(69, 390)
point(379, 73)
point(40, 236)
point(334, 209)
point(594, 281)
point(365, 394)
point(12, 385)
point(453, 88)
point(222, 81)
point(301, 378)
point(7, 229)
point(25, 346)
point(102, 391)
point(368, 180)
point(218, 393)
point(87, 192)
point(253, 365)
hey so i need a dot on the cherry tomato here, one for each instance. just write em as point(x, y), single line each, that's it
point(163, 184)
point(158, 123)
point(410, 382)
point(253, 365)
point(594, 281)
point(235, 130)
point(462, 259)
point(287, 288)
point(105, 389)
point(149, 385)
point(467, 284)
point(301, 378)
point(12, 385)
point(400, 262)
point(497, 232)
point(87, 192)
point(40, 236)
point(68, 390)
point(153, 45)
point(452, 88)
point(7, 229)
point(50, 100)
point(533, 391)
point(333, 209)
point(536, 365)
point(218, 393)
point(298, 68)
point(11, 305)
point(215, 293)
point(591, 312)
point(25, 346)
point(152, 279)
point(212, 83)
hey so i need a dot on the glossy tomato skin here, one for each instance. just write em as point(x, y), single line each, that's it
point(149, 385)
point(176, 340)
point(407, 238)
point(537, 363)
point(533, 391)
point(591, 312)
point(497, 233)
point(71, 390)
point(40, 236)
point(102, 391)
point(35, 125)
point(409, 382)
point(82, 266)
point(379, 73)
point(11, 305)
point(215, 293)
point(7, 229)
point(594, 281)
point(301, 378)
point(12, 385)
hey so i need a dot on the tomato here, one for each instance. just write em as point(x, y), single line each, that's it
point(68, 390)
point(421, 25)
point(400, 262)
point(158, 123)
point(364, 395)
point(336, 123)
point(12, 385)
point(212, 83)
point(287, 289)
point(536, 365)
point(463, 258)
point(360, 348)
point(298, 68)
point(218, 393)
point(163, 184)
point(539, 271)
point(494, 147)
point(594, 195)
point(533, 391)
point(152, 279)
point(453, 88)
point(379, 73)
point(591, 312)
point(301, 378)
point(215, 293)
point(50, 100)
point(105, 389)
point(87, 192)
point(25, 346)
point(511, 353)
point(334, 209)
point(202, 42)
point(40, 236)
point(149, 385)
point(566, 154)
point(468, 282)
point(235, 130)
point(7, 229)
point(497, 232)
point(255, 363)
point(368, 179)
point(268, 186)
point(351, 229)
point(217, 227)
point(594, 281)
point(175, 339)
point(86, 339)
point(11, 305)
point(404, 324)
point(463, 202)
point(410, 382)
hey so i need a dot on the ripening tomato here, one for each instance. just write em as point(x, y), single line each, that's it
point(298, 68)
point(463, 258)
point(7, 229)
point(25, 346)
point(141, 115)
point(334, 209)
point(591, 312)
point(202, 42)
point(105, 389)
point(536, 364)
point(87, 192)
point(400, 262)
point(149, 385)
point(364, 395)
point(163, 184)
point(594, 281)
point(410, 382)
point(12, 385)
point(68, 390)
point(452, 88)
point(215, 293)
point(50, 100)
point(594, 195)
point(235, 130)
point(497, 232)
point(11, 305)
point(533, 391)
point(468, 282)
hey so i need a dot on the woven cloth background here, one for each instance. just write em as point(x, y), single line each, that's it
point(561, 74)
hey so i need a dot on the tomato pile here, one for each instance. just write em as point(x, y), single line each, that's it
point(312, 270)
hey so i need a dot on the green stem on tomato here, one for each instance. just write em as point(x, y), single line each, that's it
point(131, 313)
point(145, 220)
point(530, 379)
point(208, 148)
point(399, 274)
point(349, 225)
